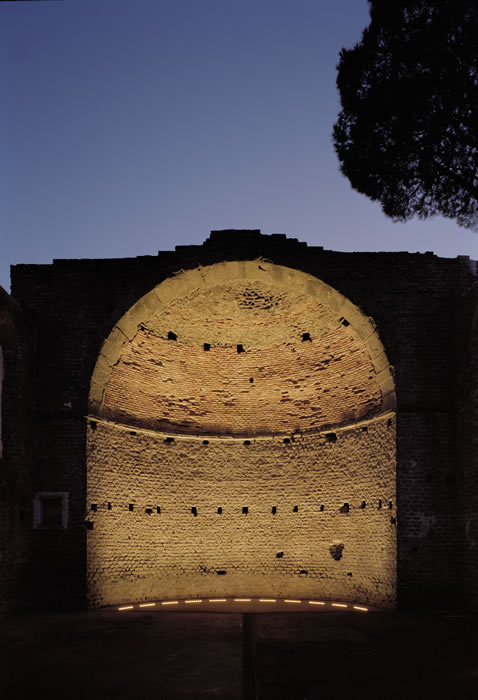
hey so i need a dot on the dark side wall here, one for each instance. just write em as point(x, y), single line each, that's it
point(16, 412)
point(413, 299)
point(467, 445)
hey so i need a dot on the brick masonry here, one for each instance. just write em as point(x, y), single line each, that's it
point(417, 303)
point(279, 378)
point(170, 385)
point(136, 553)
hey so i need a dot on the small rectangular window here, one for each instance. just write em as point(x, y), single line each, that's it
point(50, 510)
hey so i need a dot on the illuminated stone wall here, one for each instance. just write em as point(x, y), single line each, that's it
point(141, 554)
point(307, 359)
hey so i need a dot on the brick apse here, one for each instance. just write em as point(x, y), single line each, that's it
point(249, 417)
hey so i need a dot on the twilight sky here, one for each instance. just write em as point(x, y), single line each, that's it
point(131, 126)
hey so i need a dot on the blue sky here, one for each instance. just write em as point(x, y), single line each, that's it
point(128, 127)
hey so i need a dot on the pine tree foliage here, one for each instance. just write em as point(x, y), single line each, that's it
point(407, 132)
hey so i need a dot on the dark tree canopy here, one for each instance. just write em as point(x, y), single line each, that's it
point(407, 132)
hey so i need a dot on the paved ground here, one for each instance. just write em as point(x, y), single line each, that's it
point(264, 656)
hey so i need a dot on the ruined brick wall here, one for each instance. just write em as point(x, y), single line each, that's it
point(467, 477)
point(15, 458)
point(136, 553)
point(413, 300)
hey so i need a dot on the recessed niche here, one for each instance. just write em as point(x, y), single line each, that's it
point(389, 422)
point(205, 442)
point(109, 506)
point(322, 507)
point(306, 336)
point(158, 510)
point(240, 348)
point(245, 510)
point(169, 440)
point(132, 432)
point(94, 506)
point(363, 505)
point(194, 511)
point(345, 508)
point(148, 511)
point(286, 441)
point(303, 572)
point(344, 322)
point(251, 380)
point(221, 572)
point(379, 504)
point(247, 442)
point(274, 510)
point(93, 424)
point(172, 336)
point(279, 555)
point(206, 346)
point(364, 429)
point(295, 509)
point(331, 437)
point(390, 505)
point(393, 521)
point(50, 510)
point(131, 507)
point(219, 511)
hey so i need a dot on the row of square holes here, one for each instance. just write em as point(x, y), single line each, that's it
point(245, 509)
point(329, 437)
point(239, 346)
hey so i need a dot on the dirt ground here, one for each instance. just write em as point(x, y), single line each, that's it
point(333, 655)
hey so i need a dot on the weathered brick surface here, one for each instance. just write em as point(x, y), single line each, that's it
point(136, 555)
point(169, 385)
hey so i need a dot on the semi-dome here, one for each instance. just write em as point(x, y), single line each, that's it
point(243, 349)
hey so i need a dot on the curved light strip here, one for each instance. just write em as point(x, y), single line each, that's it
point(295, 601)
